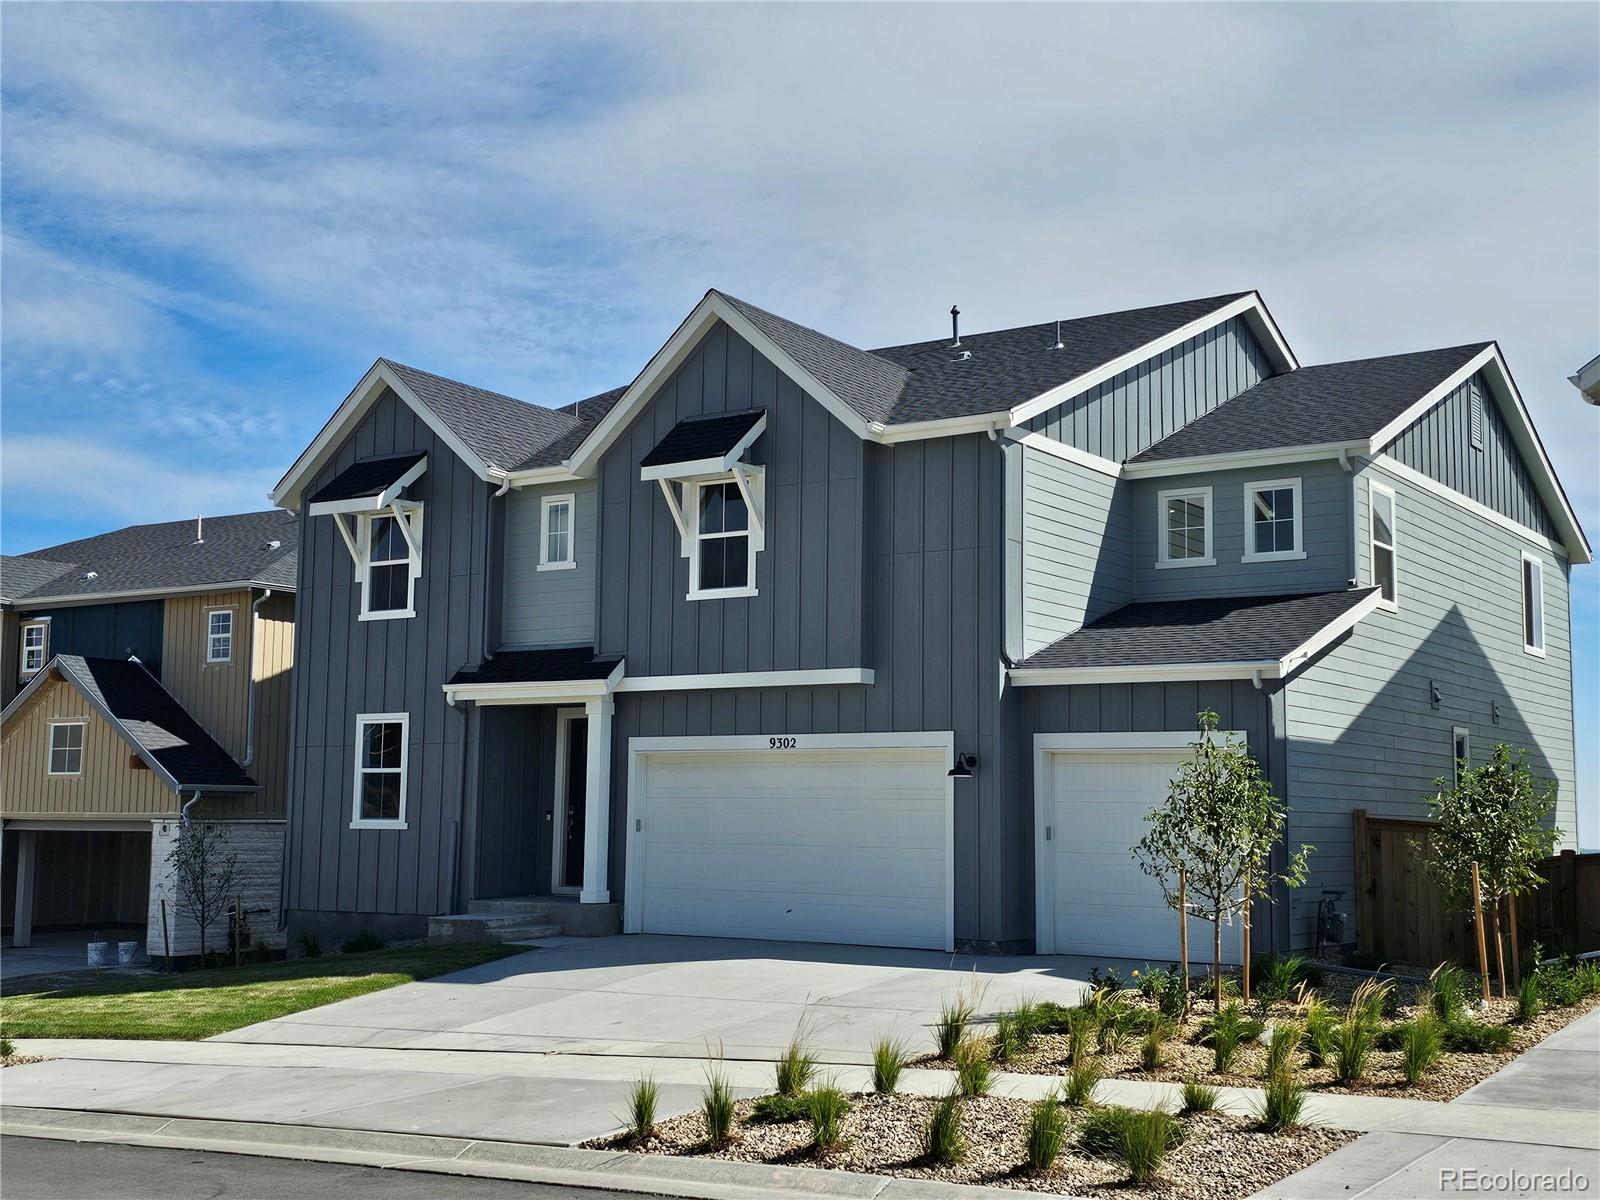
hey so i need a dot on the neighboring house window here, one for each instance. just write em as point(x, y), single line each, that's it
point(1272, 520)
point(35, 640)
point(66, 748)
point(722, 561)
point(1532, 604)
point(392, 563)
point(1461, 751)
point(1383, 543)
point(555, 533)
point(380, 796)
point(219, 635)
point(1185, 532)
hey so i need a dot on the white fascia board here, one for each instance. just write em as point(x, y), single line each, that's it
point(1092, 743)
point(204, 589)
point(534, 476)
point(1242, 459)
point(832, 677)
point(551, 691)
point(1427, 483)
point(720, 465)
point(1082, 458)
point(323, 446)
point(1325, 636)
point(918, 431)
point(1437, 393)
point(376, 502)
point(1244, 305)
point(1154, 673)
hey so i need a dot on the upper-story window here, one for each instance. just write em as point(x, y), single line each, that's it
point(1461, 748)
point(556, 551)
point(66, 748)
point(1532, 604)
point(1184, 536)
point(1383, 545)
point(219, 635)
point(35, 646)
point(1272, 521)
point(391, 562)
point(381, 754)
point(381, 529)
point(722, 562)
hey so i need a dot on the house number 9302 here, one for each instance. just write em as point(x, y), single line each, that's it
point(780, 743)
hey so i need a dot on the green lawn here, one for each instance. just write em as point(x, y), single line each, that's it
point(198, 1004)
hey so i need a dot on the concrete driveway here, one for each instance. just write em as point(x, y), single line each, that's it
point(673, 997)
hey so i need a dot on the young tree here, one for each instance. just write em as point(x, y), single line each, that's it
point(1493, 815)
point(1219, 825)
point(203, 871)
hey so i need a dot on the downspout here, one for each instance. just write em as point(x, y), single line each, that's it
point(183, 815)
point(250, 695)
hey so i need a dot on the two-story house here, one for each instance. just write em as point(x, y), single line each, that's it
point(147, 681)
point(788, 639)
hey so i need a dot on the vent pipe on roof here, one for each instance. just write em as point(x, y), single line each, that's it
point(199, 531)
point(1060, 345)
point(955, 326)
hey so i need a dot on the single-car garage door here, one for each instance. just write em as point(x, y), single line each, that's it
point(1092, 897)
point(825, 839)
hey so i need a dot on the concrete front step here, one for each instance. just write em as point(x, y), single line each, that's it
point(489, 927)
point(524, 918)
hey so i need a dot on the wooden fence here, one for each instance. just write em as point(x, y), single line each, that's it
point(1402, 917)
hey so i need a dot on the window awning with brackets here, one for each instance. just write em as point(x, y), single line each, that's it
point(369, 486)
point(702, 450)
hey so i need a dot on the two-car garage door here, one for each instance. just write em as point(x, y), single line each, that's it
point(824, 839)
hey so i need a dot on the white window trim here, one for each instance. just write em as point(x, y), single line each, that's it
point(362, 721)
point(232, 625)
point(1537, 647)
point(751, 481)
point(44, 646)
point(50, 753)
point(409, 514)
point(1459, 735)
point(1374, 490)
point(1250, 490)
point(570, 499)
point(1204, 494)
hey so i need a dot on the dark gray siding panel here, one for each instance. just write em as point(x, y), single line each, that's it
point(350, 666)
point(131, 629)
point(809, 576)
point(1139, 407)
point(1439, 445)
point(514, 800)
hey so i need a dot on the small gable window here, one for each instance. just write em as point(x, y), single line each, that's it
point(1272, 521)
point(381, 753)
point(555, 533)
point(35, 641)
point(66, 748)
point(219, 635)
point(1532, 604)
point(1184, 536)
point(1383, 545)
point(380, 528)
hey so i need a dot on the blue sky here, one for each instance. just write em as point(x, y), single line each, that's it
point(216, 217)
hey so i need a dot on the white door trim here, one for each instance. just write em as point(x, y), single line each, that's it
point(778, 745)
point(558, 838)
point(1047, 747)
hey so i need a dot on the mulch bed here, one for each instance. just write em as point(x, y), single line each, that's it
point(1221, 1157)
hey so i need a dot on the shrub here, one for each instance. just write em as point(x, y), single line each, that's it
point(1281, 1102)
point(642, 1097)
point(1107, 980)
point(362, 942)
point(1112, 1029)
point(974, 1075)
point(1050, 1017)
point(1198, 1097)
point(1077, 1086)
point(1371, 1000)
point(309, 946)
point(1354, 1039)
point(1140, 1137)
point(8, 1048)
point(796, 1068)
point(1449, 991)
point(1225, 1031)
point(1568, 982)
point(1476, 1037)
point(889, 1058)
point(1528, 1003)
point(826, 1107)
point(954, 1017)
point(716, 1102)
point(1047, 1132)
point(1078, 1033)
point(1276, 977)
point(1421, 1045)
point(1014, 1030)
point(942, 1141)
point(777, 1108)
point(1281, 1047)
point(1318, 1036)
point(1150, 1056)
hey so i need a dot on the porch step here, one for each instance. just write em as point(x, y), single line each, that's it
point(489, 927)
point(525, 918)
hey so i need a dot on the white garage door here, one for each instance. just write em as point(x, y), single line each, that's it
point(796, 839)
point(1093, 898)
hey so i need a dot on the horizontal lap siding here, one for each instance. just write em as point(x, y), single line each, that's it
point(549, 608)
point(1362, 730)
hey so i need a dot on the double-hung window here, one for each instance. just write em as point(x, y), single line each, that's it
point(381, 753)
point(556, 551)
point(391, 562)
point(722, 561)
point(1532, 604)
point(66, 748)
point(1383, 545)
point(35, 641)
point(1184, 535)
point(1272, 521)
point(219, 635)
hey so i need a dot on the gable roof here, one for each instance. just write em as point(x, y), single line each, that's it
point(244, 550)
point(147, 716)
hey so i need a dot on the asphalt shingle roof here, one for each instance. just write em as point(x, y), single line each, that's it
point(156, 721)
point(1218, 629)
point(1335, 402)
point(540, 666)
point(256, 547)
point(367, 478)
point(695, 438)
point(21, 574)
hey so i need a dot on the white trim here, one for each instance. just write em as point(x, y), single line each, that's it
point(1261, 324)
point(1334, 629)
point(916, 431)
point(1393, 546)
point(363, 720)
point(378, 500)
point(546, 503)
point(553, 691)
point(1537, 646)
point(1163, 534)
point(831, 677)
point(709, 466)
point(1047, 747)
point(1461, 500)
point(633, 899)
point(751, 482)
point(44, 647)
point(1265, 668)
point(1239, 459)
point(204, 589)
point(231, 610)
point(50, 748)
point(564, 719)
point(1262, 485)
point(408, 519)
point(1071, 454)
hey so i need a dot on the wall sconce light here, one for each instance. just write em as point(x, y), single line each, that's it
point(964, 766)
point(1494, 711)
point(1435, 695)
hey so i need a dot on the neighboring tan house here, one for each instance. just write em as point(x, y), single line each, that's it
point(147, 679)
point(792, 640)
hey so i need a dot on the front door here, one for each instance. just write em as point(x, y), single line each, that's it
point(572, 776)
